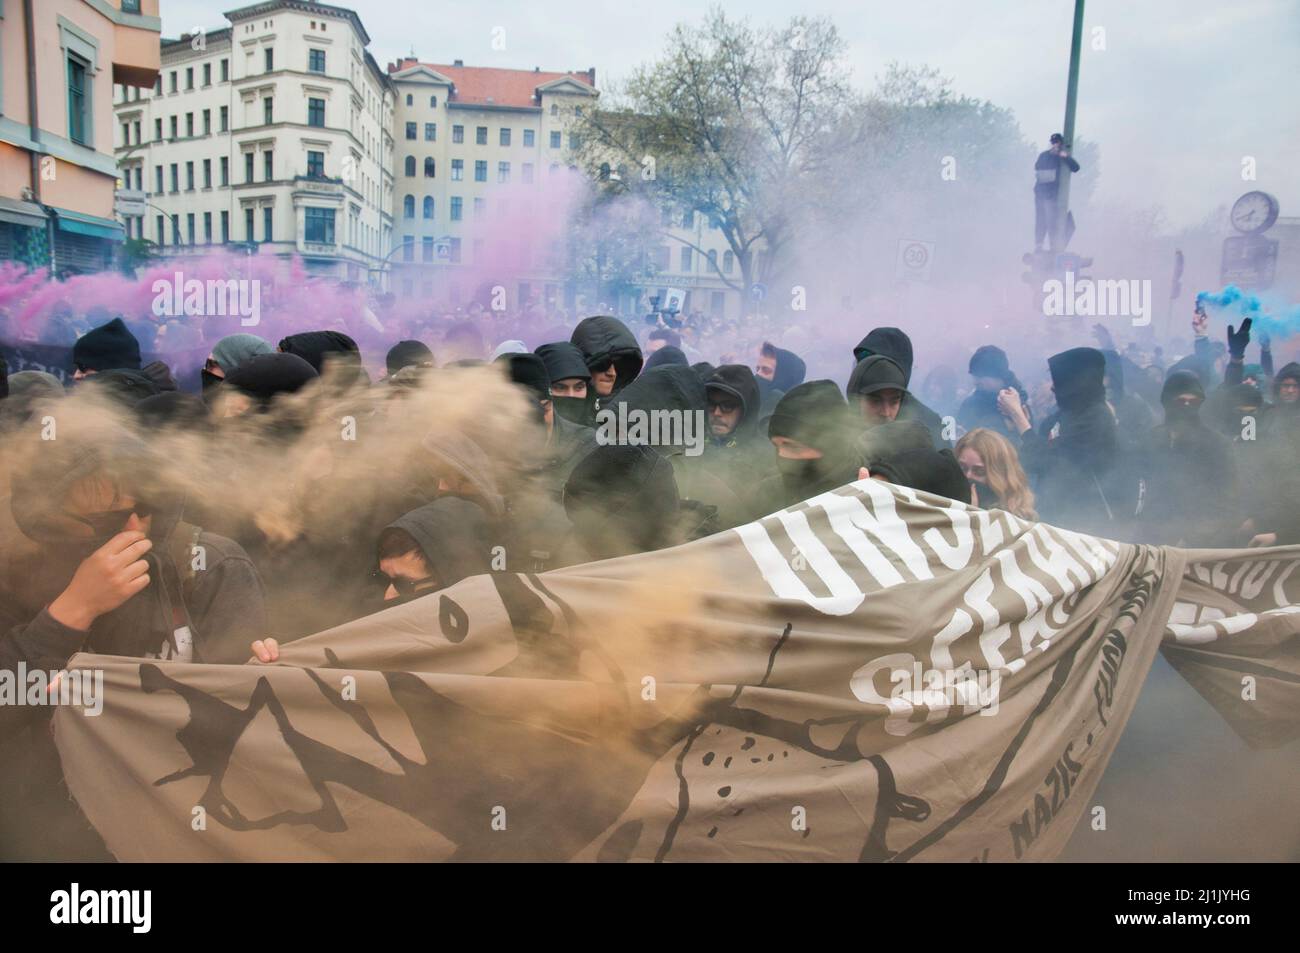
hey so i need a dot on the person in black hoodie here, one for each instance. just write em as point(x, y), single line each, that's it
point(572, 395)
point(1189, 470)
point(1086, 479)
point(612, 354)
point(1132, 414)
point(817, 450)
point(894, 344)
point(108, 347)
point(331, 351)
point(736, 452)
point(783, 370)
point(878, 387)
point(992, 374)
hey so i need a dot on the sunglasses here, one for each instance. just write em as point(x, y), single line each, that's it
point(109, 523)
point(401, 585)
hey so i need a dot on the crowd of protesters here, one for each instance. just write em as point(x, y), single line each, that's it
point(297, 491)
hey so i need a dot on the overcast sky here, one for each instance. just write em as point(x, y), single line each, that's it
point(1183, 90)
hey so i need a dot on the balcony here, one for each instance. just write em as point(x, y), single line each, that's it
point(137, 29)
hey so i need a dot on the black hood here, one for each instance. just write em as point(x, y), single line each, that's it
point(314, 346)
point(1078, 378)
point(268, 375)
point(664, 356)
point(1289, 371)
point(814, 413)
point(991, 361)
point(1181, 382)
point(622, 499)
point(790, 370)
point(893, 343)
point(876, 373)
point(927, 470)
point(453, 534)
point(460, 454)
point(128, 388)
point(671, 387)
point(739, 382)
point(529, 372)
point(408, 354)
point(107, 347)
point(603, 340)
point(563, 360)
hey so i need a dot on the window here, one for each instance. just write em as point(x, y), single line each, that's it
point(207, 228)
point(430, 131)
point(555, 110)
point(157, 91)
point(408, 207)
point(410, 100)
point(480, 135)
point(480, 207)
point(528, 172)
point(455, 249)
point(189, 125)
point(157, 129)
point(189, 77)
point(480, 170)
point(248, 225)
point(175, 130)
point(207, 74)
point(266, 223)
point(319, 224)
point(315, 61)
point(410, 130)
point(171, 85)
point(457, 169)
point(458, 134)
point(207, 173)
point(728, 262)
point(266, 165)
point(176, 229)
point(189, 177)
point(130, 6)
point(663, 258)
point(555, 140)
point(410, 166)
point(175, 177)
point(433, 102)
point(688, 218)
point(225, 70)
point(316, 112)
point(225, 170)
point(529, 137)
point(575, 141)
point(408, 249)
point(225, 119)
point(248, 167)
point(426, 249)
point(126, 133)
point(713, 259)
point(269, 54)
point(686, 259)
point(455, 208)
point(162, 235)
point(505, 136)
point(158, 179)
point(503, 172)
point(268, 109)
point(225, 227)
point(207, 121)
point(428, 206)
point(428, 167)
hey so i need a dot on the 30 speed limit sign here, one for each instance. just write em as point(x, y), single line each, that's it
point(915, 260)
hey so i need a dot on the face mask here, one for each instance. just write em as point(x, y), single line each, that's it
point(576, 410)
point(804, 476)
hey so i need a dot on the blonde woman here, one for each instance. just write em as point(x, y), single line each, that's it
point(992, 466)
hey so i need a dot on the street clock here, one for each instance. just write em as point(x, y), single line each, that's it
point(1254, 213)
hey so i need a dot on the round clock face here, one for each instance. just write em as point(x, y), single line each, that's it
point(1254, 212)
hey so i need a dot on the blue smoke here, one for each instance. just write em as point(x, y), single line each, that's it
point(1272, 317)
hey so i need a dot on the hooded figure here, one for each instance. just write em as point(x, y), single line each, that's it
point(894, 344)
point(408, 354)
point(1132, 413)
point(1286, 395)
point(992, 372)
point(266, 376)
point(322, 349)
point(1189, 472)
point(1086, 480)
point(125, 387)
point(105, 348)
point(666, 355)
point(568, 374)
point(234, 349)
point(790, 368)
point(606, 342)
point(816, 440)
point(464, 470)
point(877, 386)
point(451, 538)
point(925, 469)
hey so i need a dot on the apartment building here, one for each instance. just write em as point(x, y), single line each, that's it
point(273, 133)
point(58, 173)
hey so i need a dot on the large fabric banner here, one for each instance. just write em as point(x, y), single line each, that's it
point(872, 675)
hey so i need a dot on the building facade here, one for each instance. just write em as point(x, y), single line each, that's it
point(272, 134)
point(60, 61)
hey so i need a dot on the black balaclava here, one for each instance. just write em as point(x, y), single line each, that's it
point(1089, 436)
point(528, 371)
point(1078, 378)
point(564, 361)
point(815, 414)
point(107, 347)
point(893, 343)
point(314, 346)
point(927, 470)
point(622, 499)
point(790, 370)
point(1176, 384)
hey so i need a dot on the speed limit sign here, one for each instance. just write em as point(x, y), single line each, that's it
point(915, 260)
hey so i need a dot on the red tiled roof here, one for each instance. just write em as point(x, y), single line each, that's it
point(490, 85)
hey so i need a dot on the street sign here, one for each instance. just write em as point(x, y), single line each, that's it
point(129, 203)
point(1249, 261)
point(673, 300)
point(915, 260)
point(758, 291)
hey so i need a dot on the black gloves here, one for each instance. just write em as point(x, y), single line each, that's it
point(1237, 341)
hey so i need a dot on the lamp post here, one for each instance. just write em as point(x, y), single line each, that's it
point(1071, 97)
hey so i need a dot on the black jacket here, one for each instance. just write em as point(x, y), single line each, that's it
point(603, 340)
point(894, 344)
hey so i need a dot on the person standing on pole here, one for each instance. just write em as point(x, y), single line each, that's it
point(1047, 176)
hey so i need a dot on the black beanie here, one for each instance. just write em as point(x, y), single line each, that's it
point(664, 356)
point(1181, 382)
point(990, 361)
point(1078, 378)
point(312, 346)
point(563, 361)
point(408, 354)
point(107, 348)
point(528, 370)
point(814, 413)
point(266, 375)
point(876, 373)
